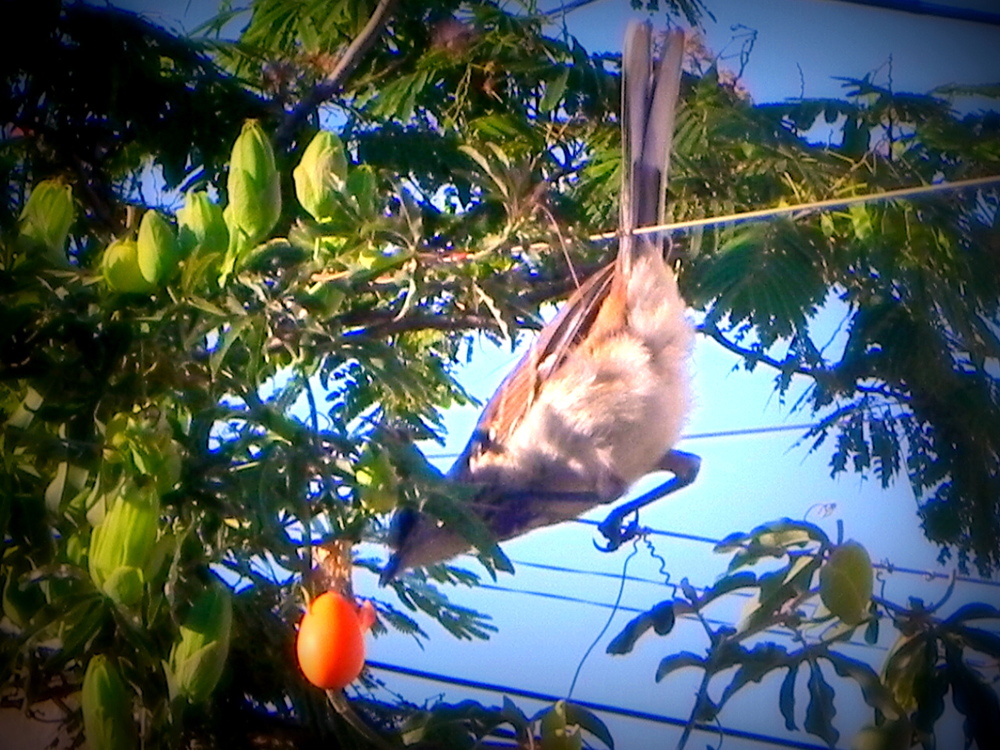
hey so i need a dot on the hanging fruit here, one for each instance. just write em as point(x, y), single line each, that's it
point(321, 174)
point(846, 581)
point(254, 188)
point(330, 644)
point(46, 219)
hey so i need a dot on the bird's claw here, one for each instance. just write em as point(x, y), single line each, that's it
point(611, 528)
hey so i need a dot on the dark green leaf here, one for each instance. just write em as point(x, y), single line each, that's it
point(678, 661)
point(820, 711)
point(979, 640)
point(589, 722)
point(871, 629)
point(554, 91)
point(727, 584)
point(786, 697)
point(754, 665)
point(660, 617)
point(975, 699)
point(875, 693)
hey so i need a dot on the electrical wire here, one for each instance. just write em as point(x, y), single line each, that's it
point(887, 567)
point(805, 208)
point(738, 432)
point(592, 706)
point(774, 632)
point(611, 617)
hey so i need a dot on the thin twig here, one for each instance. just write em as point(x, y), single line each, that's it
point(335, 81)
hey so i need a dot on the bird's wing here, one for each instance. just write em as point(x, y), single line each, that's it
point(648, 106)
point(515, 395)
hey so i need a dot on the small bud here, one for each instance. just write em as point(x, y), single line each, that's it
point(107, 707)
point(254, 189)
point(557, 731)
point(47, 217)
point(201, 227)
point(156, 248)
point(321, 175)
point(120, 267)
point(199, 657)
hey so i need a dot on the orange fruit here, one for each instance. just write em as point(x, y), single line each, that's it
point(330, 644)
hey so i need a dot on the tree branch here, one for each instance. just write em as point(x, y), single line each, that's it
point(826, 376)
point(335, 81)
point(383, 323)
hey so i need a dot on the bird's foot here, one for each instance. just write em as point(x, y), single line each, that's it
point(616, 534)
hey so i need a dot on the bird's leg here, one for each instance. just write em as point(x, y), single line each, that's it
point(684, 467)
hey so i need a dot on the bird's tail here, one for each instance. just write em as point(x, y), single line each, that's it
point(649, 105)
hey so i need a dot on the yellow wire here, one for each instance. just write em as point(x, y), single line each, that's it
point(766, 213)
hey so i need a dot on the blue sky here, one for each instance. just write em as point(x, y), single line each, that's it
point(801, 45)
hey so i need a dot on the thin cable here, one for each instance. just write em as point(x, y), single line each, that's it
point(774, 632)
point(611, 617)
point(804, 208)
point(602, 707)
point(887, 567)
point(739, 432)
point(798, 208)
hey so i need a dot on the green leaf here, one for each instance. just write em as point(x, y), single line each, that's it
point(678, 661)
point(908, 667)
point(589, 722)
point(727, 584)
point(229, 336)
point(975, 700)
point(874, 692)
point(558, 732)
point(661, 618)
point(973, 611)
point(755, 664)
point(861, 220)
point(982, 641)
point(786, 698)
point(554, 91)
point(820, 711)
point(871, 630)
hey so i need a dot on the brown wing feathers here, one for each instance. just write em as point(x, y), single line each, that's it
point(598, 308)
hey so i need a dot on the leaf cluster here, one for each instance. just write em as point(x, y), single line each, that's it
point(932, 654)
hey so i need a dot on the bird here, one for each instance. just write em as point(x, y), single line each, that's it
point(600, 398)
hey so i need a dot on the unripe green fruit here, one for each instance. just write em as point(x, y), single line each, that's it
point(254, 188)
point(107, 708)
point(47, 217)
point(321, 174)
point(846, 581)
point(199, 657)
point(156, 248)
point(557, 734)
point(123, 545)
point(120, 266)
point(201, 227)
